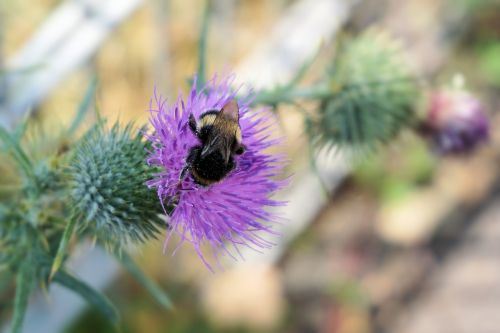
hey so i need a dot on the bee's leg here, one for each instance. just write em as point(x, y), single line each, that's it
point(192, 124)
point(183, 172)
point(240, 150)
point(193, 153)
point(230, 165)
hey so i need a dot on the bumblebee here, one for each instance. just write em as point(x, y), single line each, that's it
point(219, 133)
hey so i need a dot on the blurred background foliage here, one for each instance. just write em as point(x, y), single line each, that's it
point(369, 252)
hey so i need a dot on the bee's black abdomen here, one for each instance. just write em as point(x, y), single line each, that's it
point(212, 168)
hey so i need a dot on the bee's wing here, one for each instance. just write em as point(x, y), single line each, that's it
point(218, 142)
point(211, 146)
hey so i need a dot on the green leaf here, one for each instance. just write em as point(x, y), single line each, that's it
point(84, 106)
point(92, 296)
point(24, 284)
point(100, 119)
point(202, 48)
point(63, 245)
point(21, 128)
point(10, 143)
point(151, 286)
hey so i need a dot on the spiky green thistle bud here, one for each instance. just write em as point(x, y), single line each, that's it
point(373, 96)
point(107, 175)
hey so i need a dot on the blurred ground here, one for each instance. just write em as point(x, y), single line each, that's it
point(410, 242)
point(463, 294)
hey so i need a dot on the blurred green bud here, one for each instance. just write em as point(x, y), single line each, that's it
point(373, 94)
point(107, 176)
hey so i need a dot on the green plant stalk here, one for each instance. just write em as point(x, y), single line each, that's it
point(63, 246)
point(92, 296)
point(202, 48)
point(290, 94)
point(151, 286)
point(24, 284)
point(84, 106)
point(19, 155)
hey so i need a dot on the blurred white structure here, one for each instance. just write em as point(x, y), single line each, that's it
point(294, 40)
point(66, 41)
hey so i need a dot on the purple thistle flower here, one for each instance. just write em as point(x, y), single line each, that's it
point(233, 211)
point(456, 122)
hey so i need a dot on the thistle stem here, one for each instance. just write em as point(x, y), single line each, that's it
point(277, 96)
point(290, 94)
